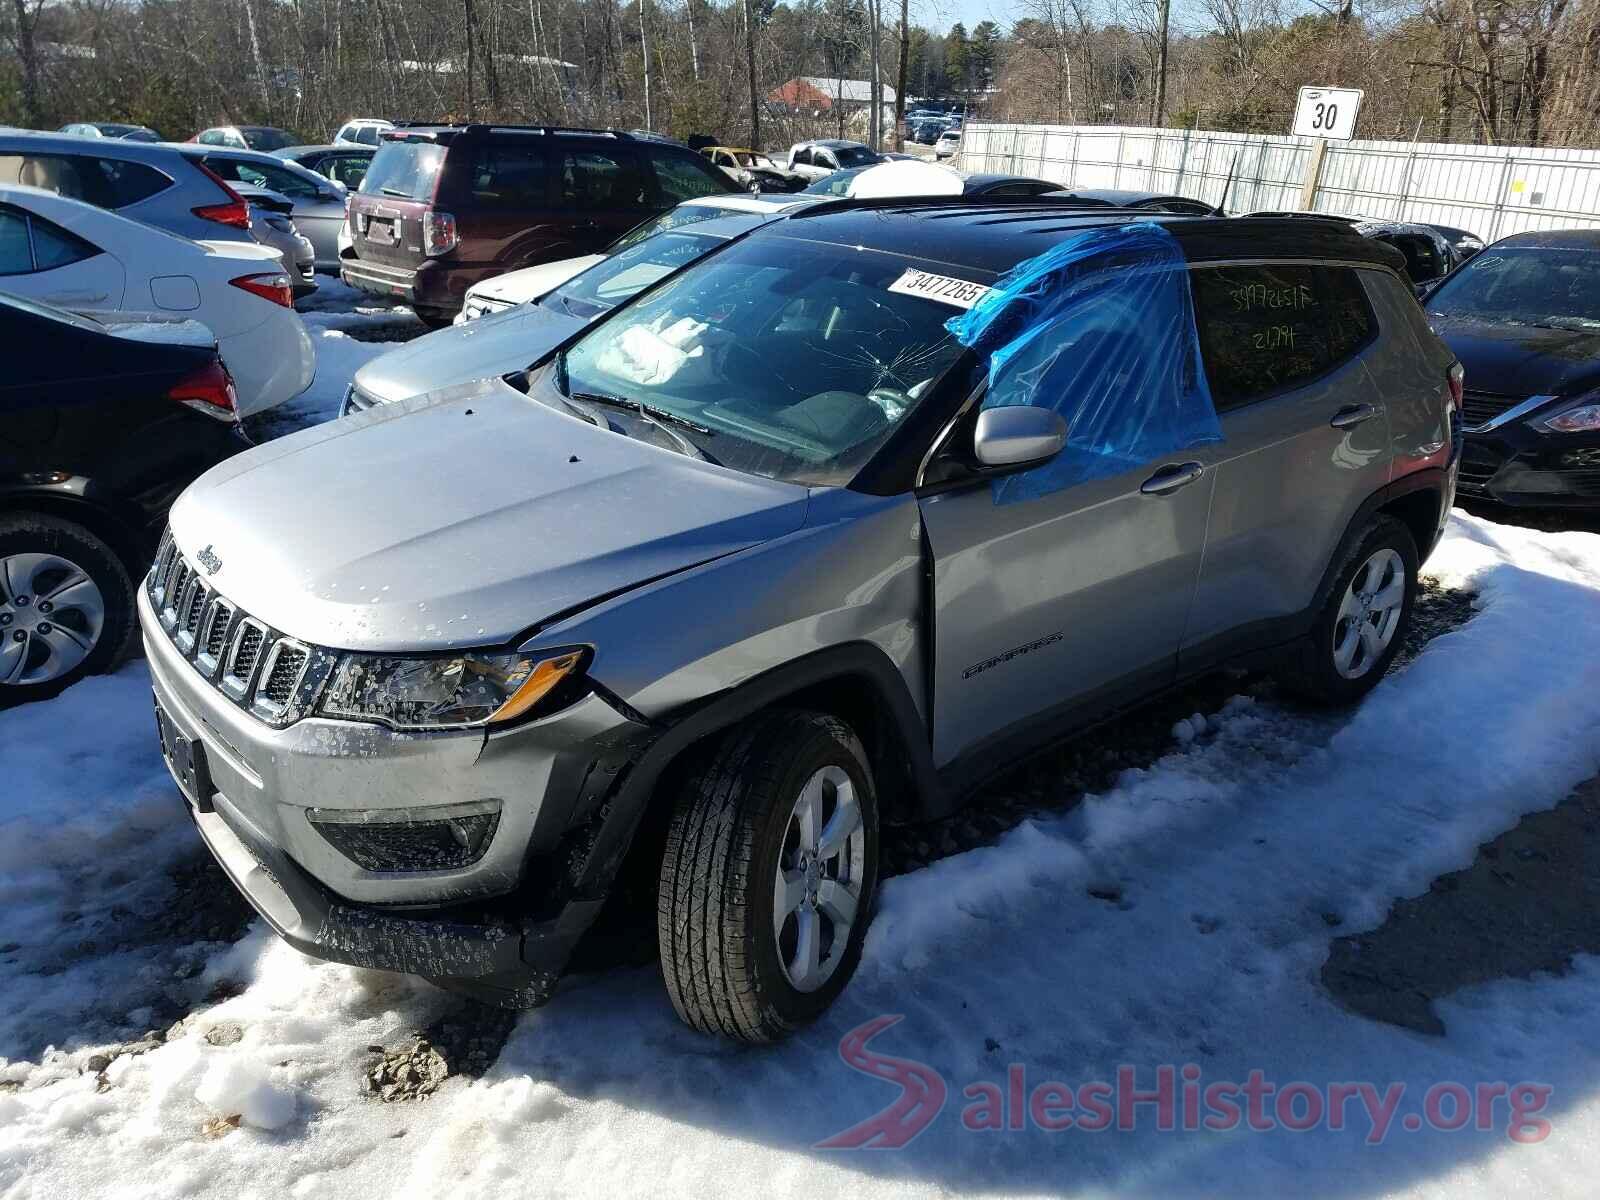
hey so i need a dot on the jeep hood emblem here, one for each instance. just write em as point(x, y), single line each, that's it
point(209, 560)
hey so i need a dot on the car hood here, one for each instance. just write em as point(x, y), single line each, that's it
point(530, 283)
point(461, 519)
point(490, 346)
point(1522, 360)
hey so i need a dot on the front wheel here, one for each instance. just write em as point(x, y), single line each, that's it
point(768, 878)
point(1364, 617)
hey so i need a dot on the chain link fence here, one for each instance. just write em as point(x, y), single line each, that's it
point(1490, 190)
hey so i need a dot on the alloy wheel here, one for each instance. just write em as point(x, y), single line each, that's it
point(51, 617)
point(1369, 614)
point(817, 886)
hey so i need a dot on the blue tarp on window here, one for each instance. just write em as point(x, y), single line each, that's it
point(1101, 329)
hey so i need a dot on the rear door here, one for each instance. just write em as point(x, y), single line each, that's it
point(604, 190)
point(1305, 442)
point(504, 196)
point(42, 261)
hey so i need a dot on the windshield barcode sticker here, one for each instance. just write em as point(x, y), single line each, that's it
point(958, 293)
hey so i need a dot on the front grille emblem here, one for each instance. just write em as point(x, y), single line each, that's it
point(209, 560)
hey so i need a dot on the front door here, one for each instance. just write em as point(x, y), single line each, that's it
point(1072, 599)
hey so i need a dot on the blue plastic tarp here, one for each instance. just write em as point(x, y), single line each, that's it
point(1101, 329)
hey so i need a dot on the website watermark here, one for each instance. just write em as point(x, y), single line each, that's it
point(1174, 1098)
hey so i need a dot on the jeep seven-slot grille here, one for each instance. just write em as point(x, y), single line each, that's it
point(283, 675)
point(246, 660)
point(217, 629)
point(243, 663)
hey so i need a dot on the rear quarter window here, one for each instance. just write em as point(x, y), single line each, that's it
point(103, 182)
point(507, 178)
point(1270, 329)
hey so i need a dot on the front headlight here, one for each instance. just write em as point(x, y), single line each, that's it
point(1581, 418)
point(451, 691)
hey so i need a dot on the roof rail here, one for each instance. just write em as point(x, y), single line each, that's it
point(480, 128)
point(1041, 204)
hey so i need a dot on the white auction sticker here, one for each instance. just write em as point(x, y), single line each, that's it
point(958, 293)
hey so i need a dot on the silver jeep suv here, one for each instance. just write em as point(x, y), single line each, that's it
point(678, 616)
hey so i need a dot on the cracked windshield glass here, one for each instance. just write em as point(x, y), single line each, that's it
point(782, 358)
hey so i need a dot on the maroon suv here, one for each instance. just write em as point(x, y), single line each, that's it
point(445, 206)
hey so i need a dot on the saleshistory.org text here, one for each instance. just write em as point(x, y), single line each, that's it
point(1174, 1098)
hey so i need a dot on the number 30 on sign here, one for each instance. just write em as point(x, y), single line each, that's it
point(1327, 113)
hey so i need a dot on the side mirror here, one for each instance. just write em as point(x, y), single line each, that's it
point(1017, 436)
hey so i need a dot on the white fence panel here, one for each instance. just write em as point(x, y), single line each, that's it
point(1491, 190)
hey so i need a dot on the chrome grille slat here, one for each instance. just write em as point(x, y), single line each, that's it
point(250, 663)
point(281, 671)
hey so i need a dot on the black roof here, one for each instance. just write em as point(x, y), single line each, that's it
point(994, 235)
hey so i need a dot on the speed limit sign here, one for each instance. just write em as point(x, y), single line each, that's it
point(1327, 113)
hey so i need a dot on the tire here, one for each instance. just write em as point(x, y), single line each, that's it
point(435, 318)
point(89, 623)
point(728, 966)
point(1330, 668)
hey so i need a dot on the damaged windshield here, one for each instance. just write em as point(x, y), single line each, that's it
point(788, 359)
point(1556, 288)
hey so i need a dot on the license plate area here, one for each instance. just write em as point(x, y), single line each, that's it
point(186, 759)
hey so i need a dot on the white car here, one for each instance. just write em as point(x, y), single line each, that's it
point(948, 145)
point(90, 260)
point(519, 287)
point(819, 159)
point(361, 131)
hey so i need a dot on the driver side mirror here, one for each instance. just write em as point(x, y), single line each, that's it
point(1016, 436)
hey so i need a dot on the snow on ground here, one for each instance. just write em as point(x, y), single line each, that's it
point(1221, 871)
point(348, 329)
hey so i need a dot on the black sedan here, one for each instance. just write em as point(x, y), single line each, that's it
point(1523, 316)
point(102, 424)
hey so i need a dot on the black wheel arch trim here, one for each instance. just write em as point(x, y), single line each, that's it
point(855, 660)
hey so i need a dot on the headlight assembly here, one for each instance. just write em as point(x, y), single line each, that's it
point(1583, 417)
point(452, 691)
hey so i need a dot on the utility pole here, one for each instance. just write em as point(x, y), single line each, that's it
point(1158, 114)
point(750, 61)
point(900, 90)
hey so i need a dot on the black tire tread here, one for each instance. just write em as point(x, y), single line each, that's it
point(707, 873)
point(1306, 673)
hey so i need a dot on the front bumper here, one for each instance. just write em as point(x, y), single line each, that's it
point(515, 914)
point(1518, 466)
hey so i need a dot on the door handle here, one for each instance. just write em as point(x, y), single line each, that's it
point(76, 297)
point(1171, 477)
point(1352, 414)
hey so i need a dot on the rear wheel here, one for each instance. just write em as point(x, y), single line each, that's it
point(1364, 617)
point(66, 606)
point(768, 878)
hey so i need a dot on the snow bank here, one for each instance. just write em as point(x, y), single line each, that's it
point(1218, 875)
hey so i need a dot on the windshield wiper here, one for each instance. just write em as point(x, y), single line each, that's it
point(396, 192)
point(661, 418)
